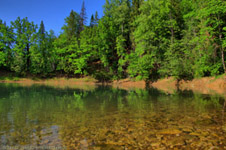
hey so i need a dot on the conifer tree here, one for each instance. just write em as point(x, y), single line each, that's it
point(71, 28)
point(96, 19)
point(92, 21)
point(83, 17)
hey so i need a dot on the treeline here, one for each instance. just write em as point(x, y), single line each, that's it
point(143, 39)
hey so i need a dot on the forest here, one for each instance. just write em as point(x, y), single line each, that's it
point(140, 39)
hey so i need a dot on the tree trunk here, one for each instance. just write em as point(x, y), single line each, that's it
point(221, 48)
point(222, 53)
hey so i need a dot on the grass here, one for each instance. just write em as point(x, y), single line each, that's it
point(218, 77)
point(84, 79)
point(15, 78)
point(9, 78)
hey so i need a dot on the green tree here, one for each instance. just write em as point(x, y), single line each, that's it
point(113, 31)
point(67, 44)
point(83, 17)
point(83, 57)
point(214, 16)
point(42, 56)
point(92, 21)
point(71, 27)
point(24, 35)
point(203, 37)
point(6, 42)
point(96, 18)
point(134, 13)
point(2, 44)
point(151, 37)
point(172, 63)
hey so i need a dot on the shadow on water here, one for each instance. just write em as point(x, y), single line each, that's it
point(110, 118)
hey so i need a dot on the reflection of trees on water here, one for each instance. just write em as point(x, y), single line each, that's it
point(27, 112)
point(223, 111)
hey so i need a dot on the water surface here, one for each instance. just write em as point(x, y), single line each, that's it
point(44, 117)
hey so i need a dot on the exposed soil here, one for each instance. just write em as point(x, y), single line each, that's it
point(168, 85)
point(127, 84)
point(83, 83)
point(207, 85)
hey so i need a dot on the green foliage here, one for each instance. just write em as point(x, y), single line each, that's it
point(2, 58)
point(71, 27)
point(25, 34)
point(42, 54)
point(63, 51)
point(203, 36)
point(140, 39)
point(6, 40)
point(151, 39)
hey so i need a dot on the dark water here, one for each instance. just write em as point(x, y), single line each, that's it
point(41, 117)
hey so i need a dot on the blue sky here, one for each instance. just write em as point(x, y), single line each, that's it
point(52, 12)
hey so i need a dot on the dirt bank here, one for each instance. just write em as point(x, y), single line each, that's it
point(208, 85)
point(83, 83)
point(127, 84)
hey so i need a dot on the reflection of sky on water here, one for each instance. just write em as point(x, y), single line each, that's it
point(3, 140)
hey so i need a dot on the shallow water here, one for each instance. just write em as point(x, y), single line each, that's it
point(42, 117)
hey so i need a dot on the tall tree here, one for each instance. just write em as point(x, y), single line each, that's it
point(25, 32)
point(83, 16)
point(41, 53)
point(171, 64)
point(134, 13)
point(71, 27)
point(2, 44)
point(92, 21)
point(6, 44)
point(68, 43)
point(203, 36)
point(151, 37)
point(214, 15)
point(96, 19)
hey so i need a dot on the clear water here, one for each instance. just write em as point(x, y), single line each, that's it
point(44, 117)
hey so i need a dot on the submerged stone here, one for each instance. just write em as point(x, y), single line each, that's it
point(169, 132)
point(195, 134)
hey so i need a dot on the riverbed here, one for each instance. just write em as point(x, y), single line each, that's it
point(104, 117)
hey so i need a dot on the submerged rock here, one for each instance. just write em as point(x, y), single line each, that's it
point(169, 132)
point(155, 144)
point(187, 129)
point(195, 134)
point(84, 144)
point(224, 128)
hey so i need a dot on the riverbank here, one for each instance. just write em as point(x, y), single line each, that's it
point(205, 85)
